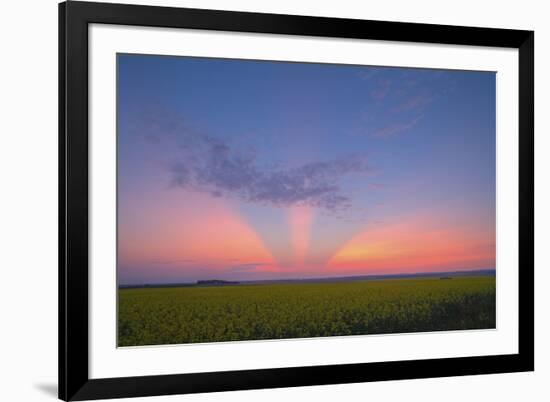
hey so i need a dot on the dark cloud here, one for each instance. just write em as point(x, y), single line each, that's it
point(171, 262)
point(198, 161)
point(248, 267)
point(212, 165)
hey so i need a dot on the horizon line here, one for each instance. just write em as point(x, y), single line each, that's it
point(318, 278)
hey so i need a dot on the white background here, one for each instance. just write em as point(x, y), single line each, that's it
point(108, 361)
point(28, 202)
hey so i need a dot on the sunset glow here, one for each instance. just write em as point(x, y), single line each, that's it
point(415, 245)
point(299, 222)
point(252, 170)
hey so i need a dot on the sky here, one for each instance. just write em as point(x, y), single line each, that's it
point(252, 170)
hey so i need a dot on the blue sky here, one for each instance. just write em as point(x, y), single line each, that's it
point(320, 150)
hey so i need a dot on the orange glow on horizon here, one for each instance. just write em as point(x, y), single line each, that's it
point(415, 245)
point(205, 233)
point(205, 237)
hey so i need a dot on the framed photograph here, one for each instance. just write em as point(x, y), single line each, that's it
point(258, 201)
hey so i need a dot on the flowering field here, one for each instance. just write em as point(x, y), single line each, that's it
point(154, 316)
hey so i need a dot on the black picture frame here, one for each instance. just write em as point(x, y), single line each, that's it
point(74, 381)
